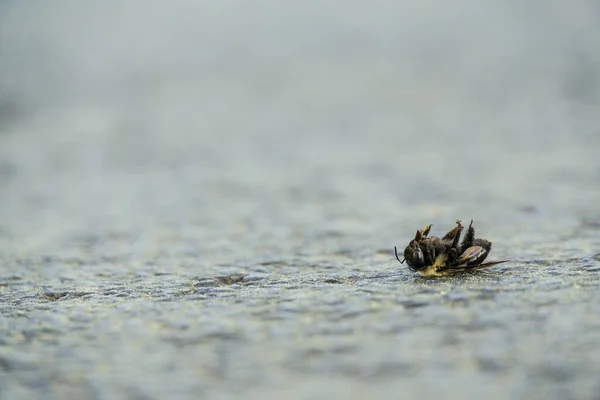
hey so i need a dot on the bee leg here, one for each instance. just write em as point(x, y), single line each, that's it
point(422, 233)
point(468, 239)
point(454, 233)
point(453, 249)
point(426, 229)
point(418, 236)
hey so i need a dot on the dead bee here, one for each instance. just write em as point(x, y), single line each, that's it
point(434, 256)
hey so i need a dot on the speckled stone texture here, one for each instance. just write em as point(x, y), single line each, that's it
point(201, 199)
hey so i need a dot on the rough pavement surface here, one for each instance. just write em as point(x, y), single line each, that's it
point(201, 200)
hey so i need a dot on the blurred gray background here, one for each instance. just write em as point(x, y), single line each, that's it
point(201, 199)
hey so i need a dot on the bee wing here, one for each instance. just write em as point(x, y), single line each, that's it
point(490, 263)
point(464, 267)
point(472, 256)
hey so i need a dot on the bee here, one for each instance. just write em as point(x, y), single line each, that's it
point(434, 257)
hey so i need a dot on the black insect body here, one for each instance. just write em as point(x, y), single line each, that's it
point(433, 256)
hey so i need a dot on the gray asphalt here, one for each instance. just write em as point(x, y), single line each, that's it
point(202, 200)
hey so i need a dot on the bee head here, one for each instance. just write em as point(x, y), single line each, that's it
point(414, 256)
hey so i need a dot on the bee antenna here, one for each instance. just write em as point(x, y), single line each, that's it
point(398, 258)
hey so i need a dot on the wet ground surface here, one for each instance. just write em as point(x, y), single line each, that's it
point(220, 223)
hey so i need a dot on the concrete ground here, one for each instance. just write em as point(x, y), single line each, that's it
point(201, 200)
